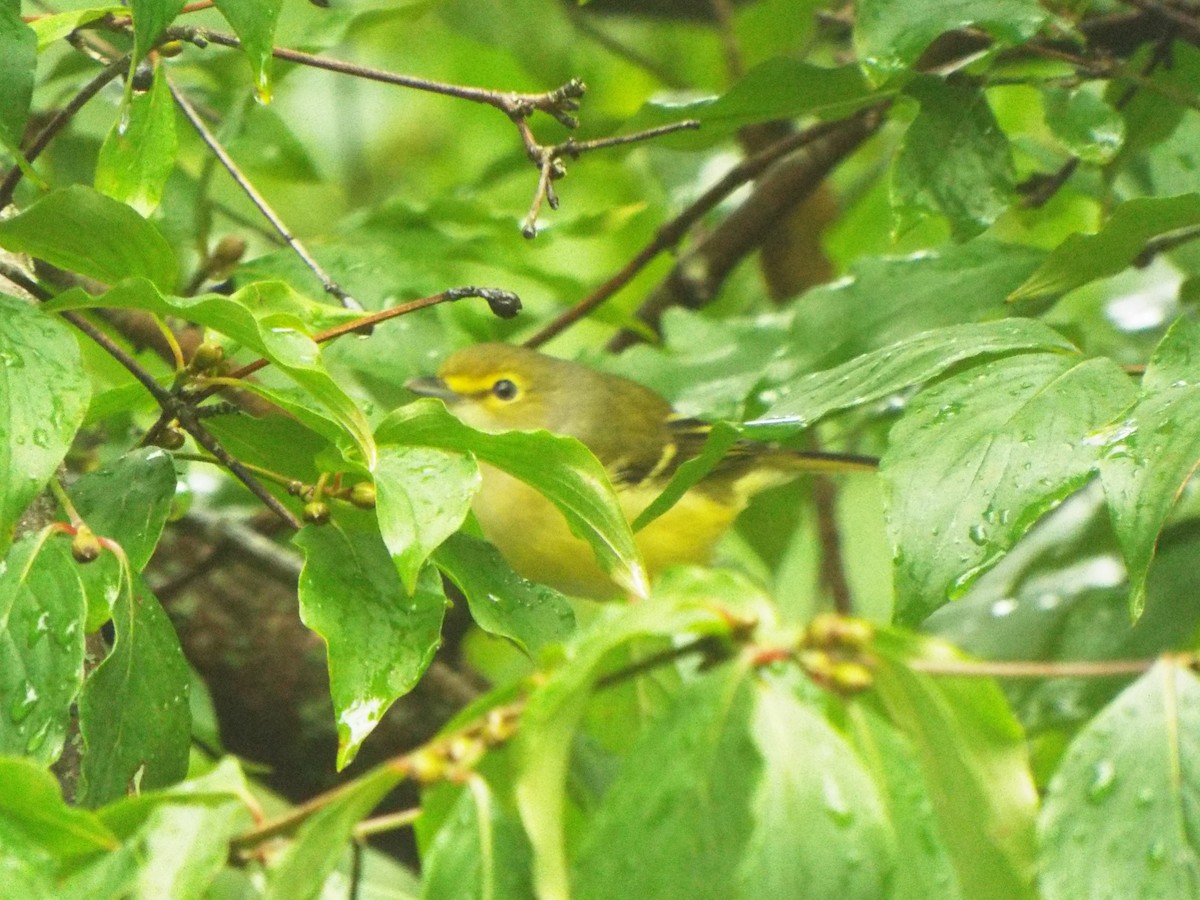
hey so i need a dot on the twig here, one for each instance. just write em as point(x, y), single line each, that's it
point(551, 168)
point(832, 567)
point(179, 409)
point(331, 287)
point(1164, 243)
point(697, 274)
point(1031, 669)
point(670, 234)
point(1190, 24)
point(56, 124)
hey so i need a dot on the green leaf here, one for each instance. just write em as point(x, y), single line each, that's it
point(150, 17)
point(380, 638)
point(503, 603)
point(923, 867)
point(272, 320)
point(423, 495)
point(1087, 126)
point(761, 798)
point(128, 501)
point(778, 89)
point(32, 806)
point(558, 467)
point(41, 646)
point(555, 709)
point(981, 456)
point(254, 23)
point(1083, 258)
point(717, 444)
point(138, 155)
point(865, 379)
point(174, 842)
point(1151, 455)
point(56, 27)
point(891, 35)
point(325, 837)
point(1122, 814)
point(44, 393)
point(972, 756)
point(82, 231)
point(133, 713)
point(954, 161)
point(18, 59)
point(480, 853)
point(887, 299)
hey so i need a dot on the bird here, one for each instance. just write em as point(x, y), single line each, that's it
point(634, 433)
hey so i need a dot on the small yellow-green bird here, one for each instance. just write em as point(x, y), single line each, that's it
point(633, 432)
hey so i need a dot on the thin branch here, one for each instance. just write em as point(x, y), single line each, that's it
point(697, 274)
point(60, 120)
point(176, 408)
point(832, 566)
point(1031, 669)
point(331, 287)
point(558, 103)
point(670, 234)
point(551, 168)
point(1188, 22)
point(1164, 243)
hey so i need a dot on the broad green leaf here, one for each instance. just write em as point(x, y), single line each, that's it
point(981, 456)
point(128, 501)
point(254, 22)
point(560, 468)
point(56, 27)
point(270, 319)
point(150, 17)
point(43, 395)
point(325, 837)
point(555, 710)
point(923, 868)
point(689, 473)
point(887, 299)
point(380, 638)
point(80, 230)
point(761, 798)
point(481, 852)
point(1083, 258)
point(31, 805)
point(423, 495)
point(18, 58)
point(503, 603)
point(804, 401)
point(1087, 126)
point(954, 161)
point(891, 35)
point(972, 756)
point(1122, 814)
point(779, 88)
point(138, 155)
point(819, 827)
point(174, 841)
point(41, 646)
point(1150, 456)
point(133, 713)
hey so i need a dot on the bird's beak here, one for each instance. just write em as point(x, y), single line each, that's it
point(432, 387)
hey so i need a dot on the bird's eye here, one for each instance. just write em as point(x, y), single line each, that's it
point(504, 390)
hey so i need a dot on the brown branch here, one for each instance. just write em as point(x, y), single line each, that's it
point(697, 275)
point(260, 202)
point(548, 159)
point(832, 572)
point(670, 234)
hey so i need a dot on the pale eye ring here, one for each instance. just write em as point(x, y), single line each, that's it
point(504, 389)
